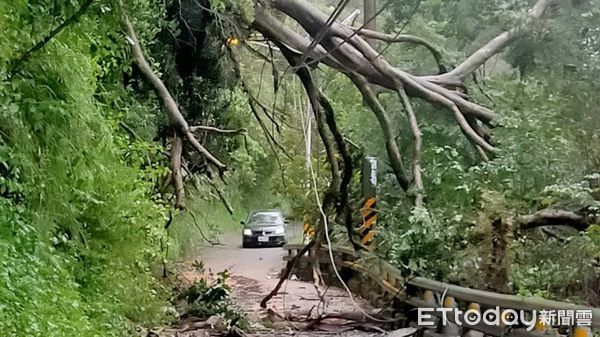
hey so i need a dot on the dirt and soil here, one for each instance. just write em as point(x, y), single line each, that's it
point(255, 272)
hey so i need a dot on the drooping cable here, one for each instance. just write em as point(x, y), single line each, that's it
point(323, 30)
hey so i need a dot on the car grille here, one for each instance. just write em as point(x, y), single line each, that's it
point(259, 233)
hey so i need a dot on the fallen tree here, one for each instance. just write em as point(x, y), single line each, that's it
point(344, 48)
point(182, 129)
point(579, 220)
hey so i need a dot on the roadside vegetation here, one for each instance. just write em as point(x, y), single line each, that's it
point(102, 188)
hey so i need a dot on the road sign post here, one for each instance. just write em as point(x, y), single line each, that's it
point(368, 210)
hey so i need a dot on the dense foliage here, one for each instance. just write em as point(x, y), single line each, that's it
point(547, 134)
point(82, 203)
point(80, 226)
point(84, 157)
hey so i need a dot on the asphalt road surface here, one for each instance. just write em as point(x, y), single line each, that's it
point(255, 272)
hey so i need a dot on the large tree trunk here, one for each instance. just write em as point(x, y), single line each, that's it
point(497, 264)
point(345, 49)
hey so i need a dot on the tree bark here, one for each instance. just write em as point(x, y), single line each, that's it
point(176, 174)
point(555, 217)
point(416, 132)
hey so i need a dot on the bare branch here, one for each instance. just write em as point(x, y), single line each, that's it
point(386, 127)
point(497, 44)
point(217, 130)
point(340, 141)
point(252, 102)
point(474, 124)
point(312, 92)
point(468, 130)
point(270, 138)
point(222, 196)
point(289, 267)
point(334, 166)
point(344, 195)
point(555, 217)
point(265, 110)
point(163, 93)
point(129, 130)
point(404, 38)
point(256, 52)
point(212, 243)
point(177, 177)
point(416, 132)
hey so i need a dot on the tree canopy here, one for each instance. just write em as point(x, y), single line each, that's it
point(127, 126)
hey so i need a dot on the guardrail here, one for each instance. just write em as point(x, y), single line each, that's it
point(384, 286)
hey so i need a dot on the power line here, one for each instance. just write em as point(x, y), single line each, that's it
point(357, 31)
point(323, 30)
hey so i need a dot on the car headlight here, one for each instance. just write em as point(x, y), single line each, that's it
point(247, 231)
point(279, 230)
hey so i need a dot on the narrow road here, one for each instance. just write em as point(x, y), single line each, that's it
point(255, 272)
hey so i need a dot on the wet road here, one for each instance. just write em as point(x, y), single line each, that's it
point(255, 272)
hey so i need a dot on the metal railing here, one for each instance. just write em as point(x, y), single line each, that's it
point(386, 281)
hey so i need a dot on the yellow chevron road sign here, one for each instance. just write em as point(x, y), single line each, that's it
point(368, 210)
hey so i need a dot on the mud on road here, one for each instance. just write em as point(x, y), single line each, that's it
point(255, 272)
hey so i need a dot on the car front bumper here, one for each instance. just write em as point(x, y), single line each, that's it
point(274, 240)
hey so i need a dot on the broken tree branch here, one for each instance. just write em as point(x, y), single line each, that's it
point(222, 196)
point(340, 141)
point(344, 195)
point(470, 132)
point(416, 132)
point(404, 38)
point(217, 130)
point(556, 217)
point(253, 102)
point(344, 49)
point(305, 76)
point(289, 267)
point(163, 93)
point(386, 127)
point(497, 44)
point(270, 116)
point(177, 177)
point(358, 56)
point(212, 243)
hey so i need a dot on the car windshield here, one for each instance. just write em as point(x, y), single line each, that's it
point(270, 217)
